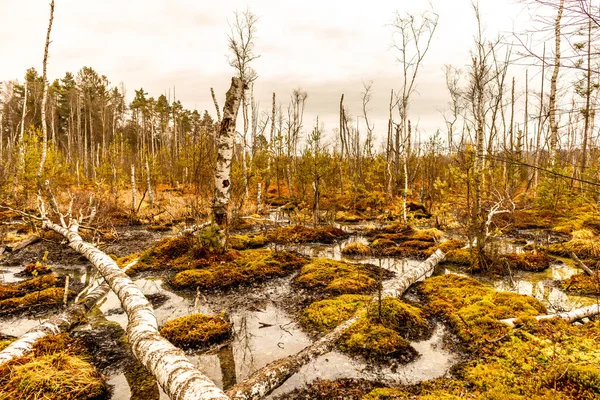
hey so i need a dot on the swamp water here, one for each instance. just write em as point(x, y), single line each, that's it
point(265, 332)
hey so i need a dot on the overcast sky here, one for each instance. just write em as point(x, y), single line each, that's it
point(325, 47)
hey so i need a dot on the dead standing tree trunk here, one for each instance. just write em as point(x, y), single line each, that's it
point(45, 95)
point(553, 84)
point(225, 143)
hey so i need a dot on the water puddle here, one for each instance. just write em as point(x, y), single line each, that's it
point(434, 361)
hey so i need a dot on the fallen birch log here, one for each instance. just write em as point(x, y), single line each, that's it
point(177, 376)
point(270, 377)
point(570, 316)
point(63, 322)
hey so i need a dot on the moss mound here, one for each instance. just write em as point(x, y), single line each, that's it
point(37, 300)
point(528, 261)
point(403, 241)
point(356, 249)
point(473, 309)
point(375, 341)
point(178, 253)
point(57, 369)
point(303, 234)
point(459, 257)
point(248, 266)
point(401, 317)
point(196, 331)
point(28, 286)
point(582, 284)
point(387, 394)
point(337, 277)
point(324, 315)
point(583, 248)
point(243, 242)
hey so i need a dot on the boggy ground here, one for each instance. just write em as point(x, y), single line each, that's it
point(537, 360)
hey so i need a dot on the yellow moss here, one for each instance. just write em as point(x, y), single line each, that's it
point(527, 261)
point(196, 331)
point(28, 286)
point(62, 342)
point(304, 234)
point(356, 249)
point(345, 216)
point(57, 376)
point(373, 340)
point(403, 318)
point(35, 269)
point(44, 298)
point(337, 277)
point(386, 394)
point(583, 248)
point(242, 242)
point(452, 244)
point(583, 234)
point(582, 284)
point(325, 315)
point(459, 257)
point(473, 309)
point(431, 234)
point(382, 243)
point(248, 266)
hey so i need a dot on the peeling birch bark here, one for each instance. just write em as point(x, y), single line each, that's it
point(225, 144)
point(177, 376)
point(570, 316)
point(133, 190)
point(45, 95)
point(269, 378)
point(63, 322)
point(149, 183)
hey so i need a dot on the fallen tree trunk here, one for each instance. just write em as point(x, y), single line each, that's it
point(178, 377)
point(570, 316)
point(63, 322)
point(23, 243)
point(270, 377)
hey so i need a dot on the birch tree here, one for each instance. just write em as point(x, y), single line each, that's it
point(45, 94)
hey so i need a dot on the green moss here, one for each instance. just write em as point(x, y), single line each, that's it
point(459, 257)
point(44, 298)
point(356, 249)
point(403, 318)
point(387, 394)
point(337, 277)
point(582, 284)
point(242, 242)
point(324, 315)
point(473, 309)
point(178, 253)
point(303, 234)
point(372, 340)
point(196, 331)
point(246, 267)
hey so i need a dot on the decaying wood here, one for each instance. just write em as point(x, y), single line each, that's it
point(580, 263)
point(177, 376)
point(570, 316)
point(23, 243)
point(269, 378)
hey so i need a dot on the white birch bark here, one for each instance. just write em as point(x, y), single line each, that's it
point(45, 95)
point(63, 322)
point(269, 378)
point(553, 84)
point(177, 376)
point(225, 143)
point(133, 190)
point(149, 183)
point(570, 316)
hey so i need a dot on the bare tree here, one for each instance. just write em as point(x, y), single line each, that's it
point(45, 95)
point(412, 39)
